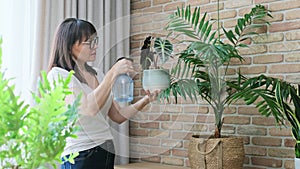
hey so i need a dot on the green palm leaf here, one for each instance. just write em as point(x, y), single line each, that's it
point(183, 21)
point(240, 33)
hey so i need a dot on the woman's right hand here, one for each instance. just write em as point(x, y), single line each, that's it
point(123, 66)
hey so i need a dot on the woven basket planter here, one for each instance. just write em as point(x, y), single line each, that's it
point(216, 153)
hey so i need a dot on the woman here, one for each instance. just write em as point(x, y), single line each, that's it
point(74, 45)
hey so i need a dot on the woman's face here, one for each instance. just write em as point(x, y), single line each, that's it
point(85, 51)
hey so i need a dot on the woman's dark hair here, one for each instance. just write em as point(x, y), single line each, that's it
point(67, 33)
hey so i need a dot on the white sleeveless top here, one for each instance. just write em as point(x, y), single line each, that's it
point(94, 130)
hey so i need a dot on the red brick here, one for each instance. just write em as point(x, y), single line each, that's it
point(274, 37)
point(249, 167)
point(271, 58)
point(276, 17)
point(163, 117)
point(284, 47)
point(153, 159)
point(263, 121)
point(140, 5)
point(172, 143)
point(151, 27)
point(244, 10)
point(263, 1)
point(284, 26)
point(153, 10)
point(280, 132)
point(150, 141)
point(195, 109)
point(159, 133)
point(138, 132)
point(160, 150)
point(281, 152)
point(246, 61)
point(286, 68)
point(289, 142)
point(153, 125)
point(174, 108)
point(257, 151)
point(266, 141)
point(156, 2)
point(294, 35)
point(179, 152)
point(172, 161)
point(172, 126)
point(205, 119)
point(227, 130)
point(133, 1)
point(284, 5)
point(249, 130)
point(236, 120)
point(248, 111)
point(253, 70)
point(181, 135)
point(229, 23)
point(289, 164)
point(140, 148)
point(254, 49)
point(195, 127)
point(268, 162)
point(211, 7)
point(183, 118)
point(293, 78)
point(173, 6)
point(229, 110)
point(236, 4)
point(224, 14)
point(133, 124)
point(194, 3)
point(294, 14)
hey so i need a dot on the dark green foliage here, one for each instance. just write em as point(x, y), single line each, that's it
point(147, 55)
point(161, 51)
point(285, 95)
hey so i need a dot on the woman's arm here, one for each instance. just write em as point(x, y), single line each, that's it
point(119, 115)
point(93, 102)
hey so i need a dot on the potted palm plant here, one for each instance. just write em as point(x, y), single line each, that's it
point(34, 136)
point(206, 59)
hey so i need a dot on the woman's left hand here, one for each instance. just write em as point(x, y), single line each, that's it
point(152, 95)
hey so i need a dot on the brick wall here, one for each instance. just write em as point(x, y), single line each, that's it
point(161, 132)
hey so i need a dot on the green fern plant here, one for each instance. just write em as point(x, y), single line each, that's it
point(35, 136)
point(208, 55)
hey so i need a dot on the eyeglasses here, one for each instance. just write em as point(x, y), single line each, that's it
point(92, 43)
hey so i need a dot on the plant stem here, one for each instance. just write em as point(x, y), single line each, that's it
point(155, 62)
point(218, 20)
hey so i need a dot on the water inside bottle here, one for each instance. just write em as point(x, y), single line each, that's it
point(123, 88)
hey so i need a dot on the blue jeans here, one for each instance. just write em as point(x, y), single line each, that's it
point(100, 157)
